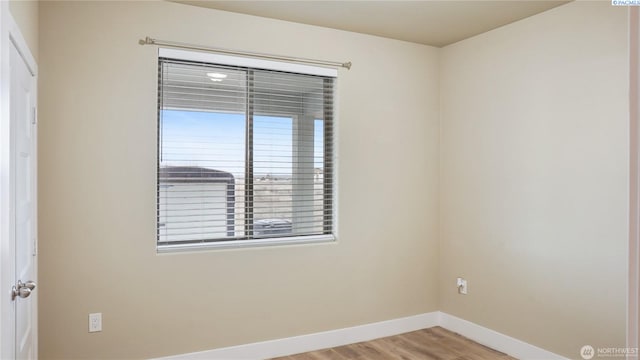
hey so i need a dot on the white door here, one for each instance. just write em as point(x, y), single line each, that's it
point(22, 96)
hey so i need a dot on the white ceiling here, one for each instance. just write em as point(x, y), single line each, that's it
point(436, 23)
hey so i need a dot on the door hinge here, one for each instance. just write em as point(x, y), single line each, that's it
point(35, 247)
point(34, 116)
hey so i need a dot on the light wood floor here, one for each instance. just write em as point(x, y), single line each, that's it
point(430, 344)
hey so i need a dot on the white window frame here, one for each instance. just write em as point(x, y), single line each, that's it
point(220, 59)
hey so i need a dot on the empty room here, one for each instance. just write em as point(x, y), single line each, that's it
point(319, 179)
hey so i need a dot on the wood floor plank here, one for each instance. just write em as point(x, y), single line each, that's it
point(408, 351)
point(430, 344)
point(468, 347)
point(348, 352)
point(369, 351)
point(305, 356)
point(435, 343)
point(327, 354)
point(431, 341)
point(388, 352)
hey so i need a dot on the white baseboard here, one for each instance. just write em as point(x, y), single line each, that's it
point(316, 341)
point(332, 338)
point(495, 340)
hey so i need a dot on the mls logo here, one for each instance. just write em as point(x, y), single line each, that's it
point(587, 352)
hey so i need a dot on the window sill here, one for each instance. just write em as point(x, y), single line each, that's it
point(237, 244)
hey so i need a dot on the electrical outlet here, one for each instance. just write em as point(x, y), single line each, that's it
point(462, 286)
point(95, 322)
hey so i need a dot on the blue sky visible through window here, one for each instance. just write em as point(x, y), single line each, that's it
point(217, 141)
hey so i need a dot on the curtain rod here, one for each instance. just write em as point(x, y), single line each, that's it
point(150, 41)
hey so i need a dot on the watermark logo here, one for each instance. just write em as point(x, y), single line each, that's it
point(625, 2)
point(587, 352)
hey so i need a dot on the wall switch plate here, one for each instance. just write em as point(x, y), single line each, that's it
point(95, 322)
point(462, 286)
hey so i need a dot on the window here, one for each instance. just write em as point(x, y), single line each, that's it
point(245, 151)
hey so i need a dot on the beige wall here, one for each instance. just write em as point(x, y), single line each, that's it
point(25, 13)
point(534, 178)
point(97, 191)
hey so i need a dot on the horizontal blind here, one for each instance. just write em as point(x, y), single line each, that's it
point(244, 153)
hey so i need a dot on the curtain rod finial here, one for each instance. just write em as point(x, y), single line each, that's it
point(347, 65)
point(146, 41)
